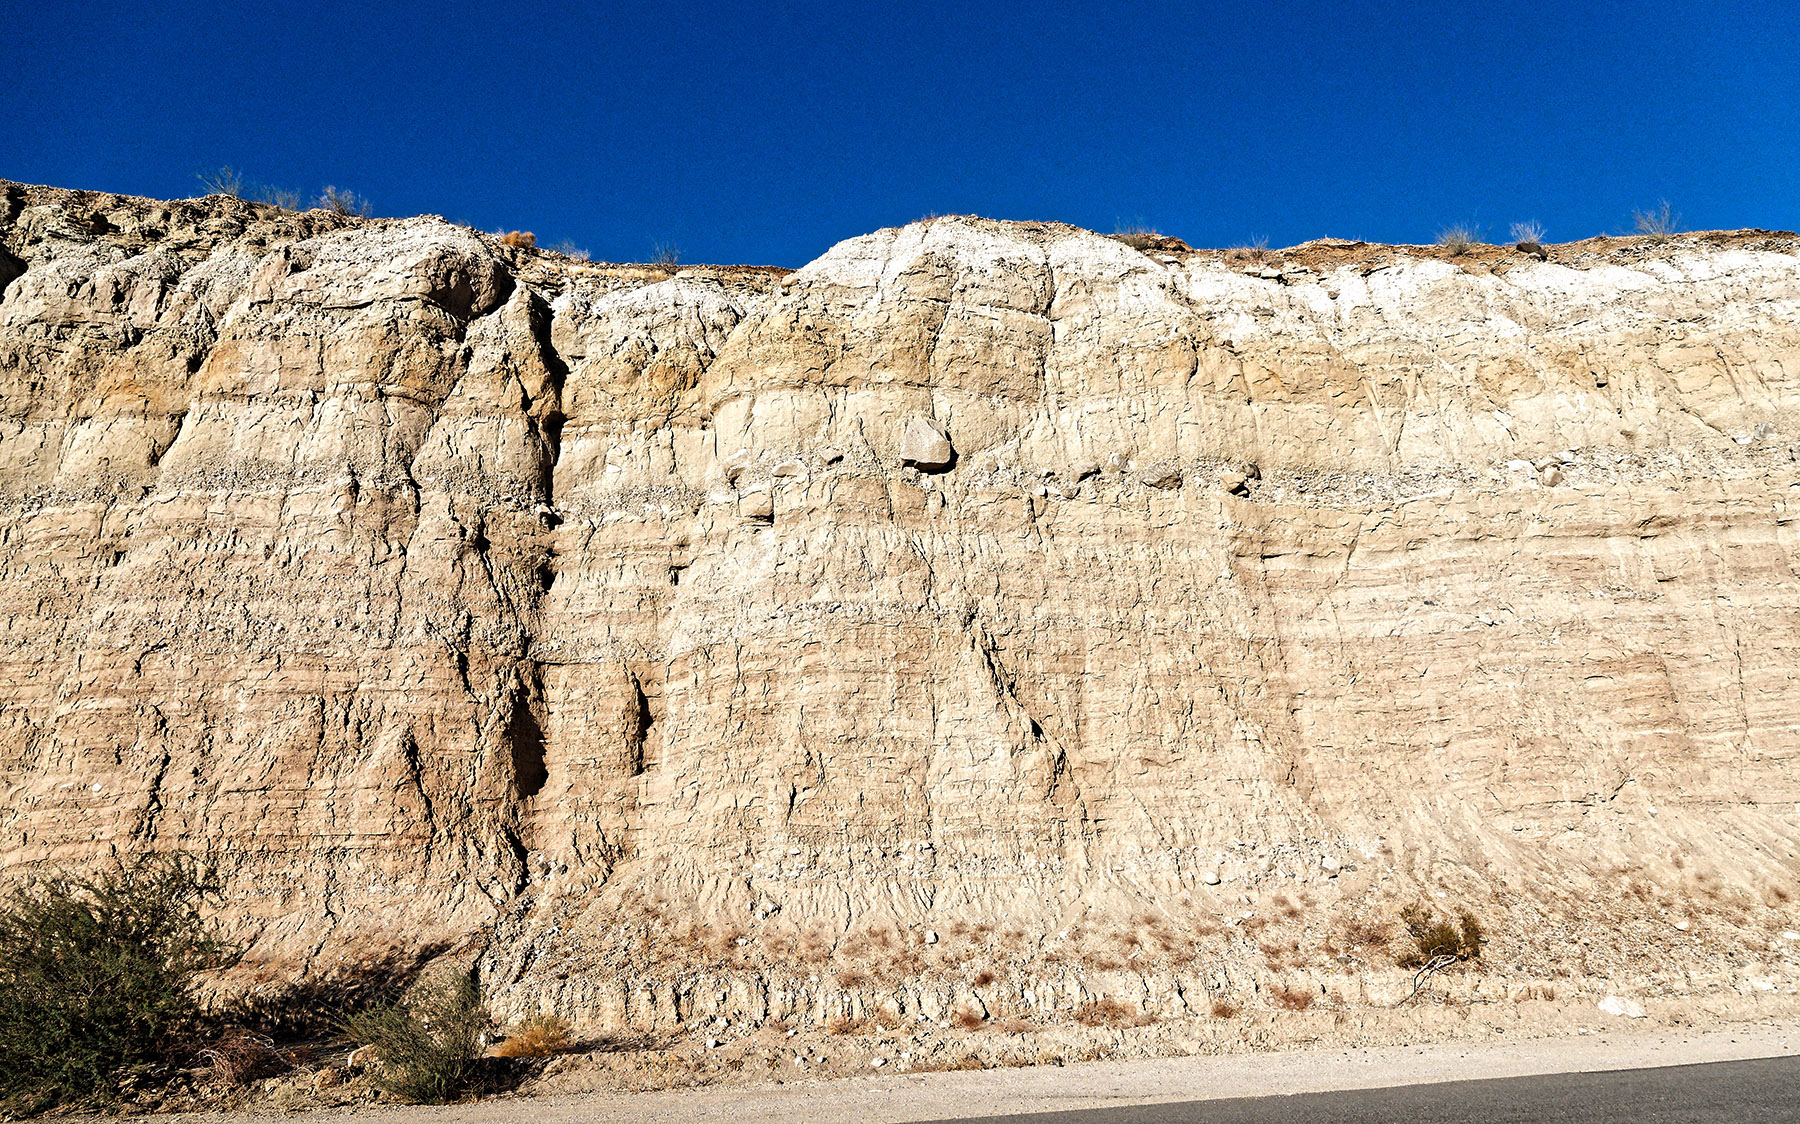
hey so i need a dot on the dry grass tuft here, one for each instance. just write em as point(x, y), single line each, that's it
point(1279, 954)
point(853, 977)
point(1137, 236)
point(967, 1018)
point(1101, 959)
point(1658, 223)
point(844, 1024)
point(225, 181)
point(1528, 235)
point(1293, 998)
point(947, 1065)
point(1107, 1011)
point(1366, 932)
point(341, 202)
point(1459, 238)
point(241, 1057)
point(1223, 1009)
point(1255, 250)
point(278, 197)
point(519, 239)
point(539, 1036)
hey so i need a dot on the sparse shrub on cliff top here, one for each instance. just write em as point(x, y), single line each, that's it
point(279, 197)
point(667, 255)
point(425, 1049)
point(1458, 238)
point(1137, 236)
point(1658, 223)
point(1255, 250)
point(97, 976)
point(1528, 233)
point(519, 239)
point(340, 202)
point(225, 181)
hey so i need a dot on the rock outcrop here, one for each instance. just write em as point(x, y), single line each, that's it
point(1120, 616)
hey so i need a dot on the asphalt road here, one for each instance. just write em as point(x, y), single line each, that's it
point(1763, 1091)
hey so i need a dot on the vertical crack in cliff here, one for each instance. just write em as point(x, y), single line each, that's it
point(415, 772)
point(640, 724)
point(149, 820)
point(525, 739)
point(1059, 788)
point(11, 269)
point(546, 406)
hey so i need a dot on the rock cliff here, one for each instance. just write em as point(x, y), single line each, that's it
point(986, 614)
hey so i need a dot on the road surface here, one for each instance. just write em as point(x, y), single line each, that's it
point(1745, 1092)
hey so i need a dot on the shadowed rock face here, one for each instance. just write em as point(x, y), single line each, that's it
point(434, 585)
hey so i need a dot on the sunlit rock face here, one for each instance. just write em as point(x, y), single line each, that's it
point(993, 580)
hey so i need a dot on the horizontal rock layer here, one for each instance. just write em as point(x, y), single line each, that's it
point(976, 574)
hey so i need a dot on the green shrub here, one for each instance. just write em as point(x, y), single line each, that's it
point(97, 976)
point(1434, 936)
point(425, 1049)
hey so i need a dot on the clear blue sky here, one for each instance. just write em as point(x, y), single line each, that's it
point(763, 133)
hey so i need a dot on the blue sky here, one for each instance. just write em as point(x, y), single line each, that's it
point(765, 132)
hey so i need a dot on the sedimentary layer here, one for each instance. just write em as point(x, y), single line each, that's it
point(1143, 621)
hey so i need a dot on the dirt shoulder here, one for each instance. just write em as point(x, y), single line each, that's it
point(880, 1099)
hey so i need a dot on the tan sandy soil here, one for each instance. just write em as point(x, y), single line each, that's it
point(943, 1096)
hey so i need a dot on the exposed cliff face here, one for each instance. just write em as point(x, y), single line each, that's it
point(436, 585)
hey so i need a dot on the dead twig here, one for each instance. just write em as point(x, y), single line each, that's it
point(1432, 967)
